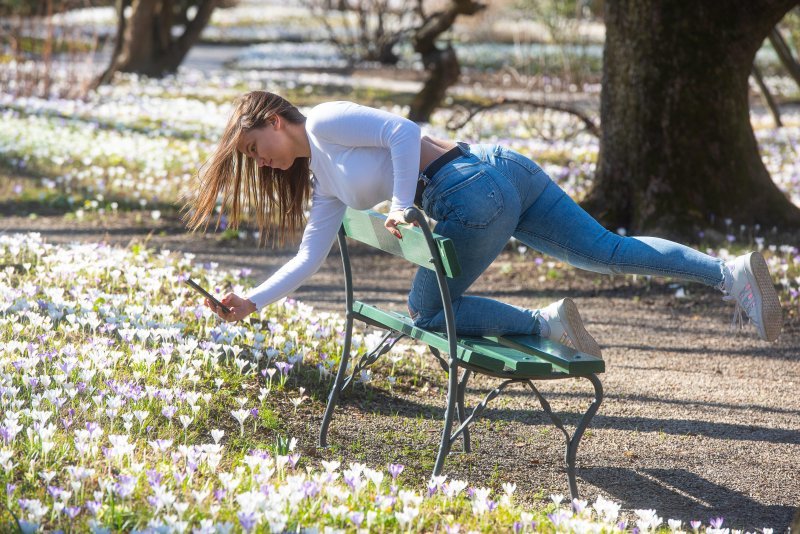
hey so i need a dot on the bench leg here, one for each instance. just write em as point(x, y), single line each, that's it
point(452, 394)
point(583, 424)
point(574, 441)
point(333, 398)
point(462, 413)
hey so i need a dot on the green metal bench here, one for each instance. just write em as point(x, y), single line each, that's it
point(512, 359)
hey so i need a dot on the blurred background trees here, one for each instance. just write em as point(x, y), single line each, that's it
point(667, 89)
point(146, 41)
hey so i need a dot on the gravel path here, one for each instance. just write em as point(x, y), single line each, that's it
point(698, 422)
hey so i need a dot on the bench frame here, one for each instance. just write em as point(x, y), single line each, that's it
point(470, 353)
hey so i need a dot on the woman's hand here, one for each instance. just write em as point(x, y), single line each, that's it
point(239, 307)
point(393, 218)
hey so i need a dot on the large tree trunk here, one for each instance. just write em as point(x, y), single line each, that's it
point(678, 150)
point(147, 45)
point(441, 64)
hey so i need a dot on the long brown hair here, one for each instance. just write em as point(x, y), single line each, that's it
point(273, 195)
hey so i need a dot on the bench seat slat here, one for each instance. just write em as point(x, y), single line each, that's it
point(367, 226)
point(519, 362)
point(562, 357)
point(403, 324)
point(475, 351)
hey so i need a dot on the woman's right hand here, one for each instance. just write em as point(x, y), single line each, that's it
point(238, 306)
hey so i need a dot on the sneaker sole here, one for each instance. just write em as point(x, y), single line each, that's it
point(771, 312)
point(573, 326)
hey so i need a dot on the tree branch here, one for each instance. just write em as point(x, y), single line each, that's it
point(785, 54)
point(587, 121)
point(773, 106)
point(105, 77)
point(424, 39)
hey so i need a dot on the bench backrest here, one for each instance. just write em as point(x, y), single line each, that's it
point(367, 227)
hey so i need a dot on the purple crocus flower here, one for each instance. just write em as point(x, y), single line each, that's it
point(310, 488)
point(395, 470)
point(517, 526)
point(284, 367)
point(578, 506)
point(72, 511)
point(716, 522)
point(558, 517)
point(247, 520)
point(695, 524)
point(93, 507)
point(357, 518)
point(54, 491)
point(124, 486)
point(432, 487)
point(67, 422)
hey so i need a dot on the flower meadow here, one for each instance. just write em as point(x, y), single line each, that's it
point(127, 406)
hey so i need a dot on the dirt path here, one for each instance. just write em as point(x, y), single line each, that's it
point(698, 422)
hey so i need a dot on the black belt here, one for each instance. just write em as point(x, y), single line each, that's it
point(434, 167)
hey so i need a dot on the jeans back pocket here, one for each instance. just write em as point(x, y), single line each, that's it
point(474, 201)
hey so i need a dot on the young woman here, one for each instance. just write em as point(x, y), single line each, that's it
point(271, 159)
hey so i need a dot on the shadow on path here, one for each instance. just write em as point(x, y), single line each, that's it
point(677, 493)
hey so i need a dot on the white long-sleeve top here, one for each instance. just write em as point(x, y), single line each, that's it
point(360, 156)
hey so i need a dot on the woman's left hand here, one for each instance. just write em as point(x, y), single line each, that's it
point(393, 218)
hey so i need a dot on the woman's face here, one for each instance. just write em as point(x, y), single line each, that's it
point(269, 146)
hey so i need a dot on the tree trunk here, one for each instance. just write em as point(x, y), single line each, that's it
point(443, 71)
point(148, 46)
point(105, 77)
point(678, 150)
point(442, 65)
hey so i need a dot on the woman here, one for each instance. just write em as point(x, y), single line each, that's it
point(480, 196)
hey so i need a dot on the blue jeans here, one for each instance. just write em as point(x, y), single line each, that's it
point(492, 193)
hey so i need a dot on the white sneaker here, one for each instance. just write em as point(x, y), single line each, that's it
point(755, 294)
point(567, 327)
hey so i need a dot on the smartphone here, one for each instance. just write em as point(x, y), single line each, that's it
point(191, 283)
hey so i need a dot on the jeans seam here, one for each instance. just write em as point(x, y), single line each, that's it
point(708, 282)
point(511, 179)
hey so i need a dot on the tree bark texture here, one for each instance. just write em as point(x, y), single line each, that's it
point(148, 46)
point(441, 64)
point(677, 149)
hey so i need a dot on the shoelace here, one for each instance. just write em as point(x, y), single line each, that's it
point(740, 309)
point(566, 340)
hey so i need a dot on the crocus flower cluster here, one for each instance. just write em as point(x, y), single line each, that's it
point(124, 404)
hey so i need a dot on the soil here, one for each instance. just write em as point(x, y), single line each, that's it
point(698, 421)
